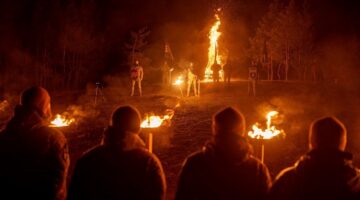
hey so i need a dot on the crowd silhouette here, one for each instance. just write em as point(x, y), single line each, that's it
point(35, 161)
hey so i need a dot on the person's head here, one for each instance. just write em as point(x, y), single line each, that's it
point(137, 62)
point(228, 124)
point(37, 98)
point(327, 133)
point(124, 120)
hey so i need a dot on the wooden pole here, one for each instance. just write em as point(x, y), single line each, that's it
point(262, 152)
point(150, 142)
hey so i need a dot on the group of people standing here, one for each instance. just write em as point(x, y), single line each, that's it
point(35, 161)
point(192, 77)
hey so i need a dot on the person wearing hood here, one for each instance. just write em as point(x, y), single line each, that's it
point(225, 167)
point(325, 172)
point(120, 167)
point(34, 157)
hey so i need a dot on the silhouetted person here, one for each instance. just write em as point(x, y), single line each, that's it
point(34, 157)
point(225, 168)
point(228, 69)
point(120, 167)
point(191, 80)
point(326, 172)
point(136, 75)
point(216, 70)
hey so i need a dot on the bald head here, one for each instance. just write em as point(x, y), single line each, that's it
point(228, 122)
point(327, 133)
point(38, 98)
point(126, 119)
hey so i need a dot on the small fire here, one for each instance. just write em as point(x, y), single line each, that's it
point(269, 132)
point(179, 80)
point(214, 35)
point(155, 121)
point(61, 121)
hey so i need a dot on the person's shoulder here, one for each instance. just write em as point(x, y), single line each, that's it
point(196, 158)
point(92, 154)
point(285, 175)
point(51, 133)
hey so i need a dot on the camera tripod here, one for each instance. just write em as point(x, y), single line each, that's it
point(99, 92)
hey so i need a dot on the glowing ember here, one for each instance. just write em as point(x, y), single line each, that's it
point(214, 34)
point(155, 121)
point(179, 81)
point(269, 132)
point(3, 105)
point(61, 121)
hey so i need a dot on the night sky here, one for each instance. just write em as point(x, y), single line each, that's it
point(29, 25)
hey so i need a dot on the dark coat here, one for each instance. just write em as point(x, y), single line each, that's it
point(214, 174)
point(318, 175)
point(124, 171)
point(34, 158)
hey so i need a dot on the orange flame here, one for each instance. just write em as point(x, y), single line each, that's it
point(269, 132)
point(61, 121)
point(155, 121)
point(179, 81)
point(214, 35)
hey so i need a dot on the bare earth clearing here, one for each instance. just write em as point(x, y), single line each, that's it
point(298, 104)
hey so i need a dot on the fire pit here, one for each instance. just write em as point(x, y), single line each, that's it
point(152, 122)
point(262, 135)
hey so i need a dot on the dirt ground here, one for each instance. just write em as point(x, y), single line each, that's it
point(298, 104)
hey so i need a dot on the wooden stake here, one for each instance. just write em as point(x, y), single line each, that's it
point(150, 142)
point(262, 152)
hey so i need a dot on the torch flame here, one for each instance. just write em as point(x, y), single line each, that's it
point(179, 80)
point(269, 132)
point(61, 121)
point(214, 35)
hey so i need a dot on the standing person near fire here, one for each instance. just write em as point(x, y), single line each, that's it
point(225, 167)
point(165, 74)
point(228, 68)
point(136, 75)
point(252, 80)
point(191, 80)
point(121, 167)
point(325, 172)
point(216, 70)
point(34, 157)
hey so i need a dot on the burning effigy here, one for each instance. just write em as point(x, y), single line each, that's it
point(213, 51)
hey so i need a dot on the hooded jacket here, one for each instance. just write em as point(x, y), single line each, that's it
point(219, 172)
point(123, 170)
point(319, 174)
point(34, 158)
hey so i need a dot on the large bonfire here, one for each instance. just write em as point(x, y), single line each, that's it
point(214, 35)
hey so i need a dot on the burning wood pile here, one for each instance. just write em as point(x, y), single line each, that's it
point(61, 121)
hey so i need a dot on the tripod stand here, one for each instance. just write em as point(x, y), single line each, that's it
point(99, 92)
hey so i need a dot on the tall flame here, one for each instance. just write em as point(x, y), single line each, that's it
point(214, 35)
point(269, 132)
